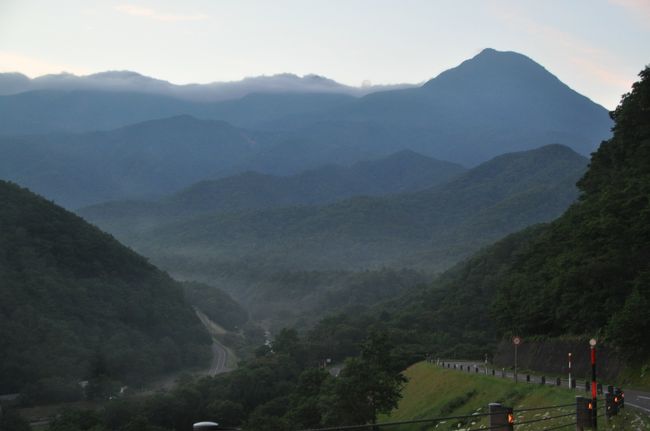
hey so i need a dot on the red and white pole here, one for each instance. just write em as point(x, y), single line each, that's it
point(594, 385)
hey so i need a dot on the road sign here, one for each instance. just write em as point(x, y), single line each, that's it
point(592, 342)
point(516, 341)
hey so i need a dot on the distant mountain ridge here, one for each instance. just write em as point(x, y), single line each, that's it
point(128, 81)
point(494, 103)
point(146, 159)
point(401, 172)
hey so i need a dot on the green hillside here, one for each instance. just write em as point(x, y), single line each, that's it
point(434, 392)
point(77, 305)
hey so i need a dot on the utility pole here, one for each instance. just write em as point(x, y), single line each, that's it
point(486, 364)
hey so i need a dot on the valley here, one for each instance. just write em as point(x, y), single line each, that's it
point(286, 253)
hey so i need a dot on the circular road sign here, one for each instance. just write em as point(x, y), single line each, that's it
point(592, 342)
point(516, 341)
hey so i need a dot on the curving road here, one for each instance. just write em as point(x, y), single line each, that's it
point(219, 359)
point(220, 353)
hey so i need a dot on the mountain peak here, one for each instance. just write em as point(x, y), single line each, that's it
point(496, 68)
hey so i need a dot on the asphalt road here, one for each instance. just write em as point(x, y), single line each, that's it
point(633, 398)
point(219, 359)
point(638, 399)
point(219, 362)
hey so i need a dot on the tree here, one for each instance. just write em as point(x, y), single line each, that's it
point(367, 386)
point(304, 408)
point(11, 420)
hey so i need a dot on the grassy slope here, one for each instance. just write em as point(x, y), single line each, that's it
point(435, 392)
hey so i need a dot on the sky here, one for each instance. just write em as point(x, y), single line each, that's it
point(597, 47)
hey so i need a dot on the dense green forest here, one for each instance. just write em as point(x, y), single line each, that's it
point(589, 271)
point(77, 305)
point(283, 388)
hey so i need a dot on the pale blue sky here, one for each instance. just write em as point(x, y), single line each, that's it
point(595, 46)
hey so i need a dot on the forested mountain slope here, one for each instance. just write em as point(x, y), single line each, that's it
point(432, 228)
point(77, 305)
point(585, 274)
point(401, 172)
point(589, 271)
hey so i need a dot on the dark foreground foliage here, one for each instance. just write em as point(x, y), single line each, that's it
point(282, 389)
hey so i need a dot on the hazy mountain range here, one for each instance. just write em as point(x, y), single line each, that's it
point(494, 103)
point(145, 159)
point(401, 172)
point(128, 81)
point(431, 228)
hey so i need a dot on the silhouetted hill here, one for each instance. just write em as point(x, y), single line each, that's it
point(146, 159)
point(77, 305)
point(405, 171)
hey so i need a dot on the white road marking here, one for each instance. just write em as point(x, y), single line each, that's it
point(642, 397)
point(627, 403)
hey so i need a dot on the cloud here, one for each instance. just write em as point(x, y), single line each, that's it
point(605, 75)
point(143, 12)
point(637, 8)
point(31, 66)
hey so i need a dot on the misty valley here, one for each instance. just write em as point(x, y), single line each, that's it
point(286, 253)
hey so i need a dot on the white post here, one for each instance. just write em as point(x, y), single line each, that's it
point(570, 371)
